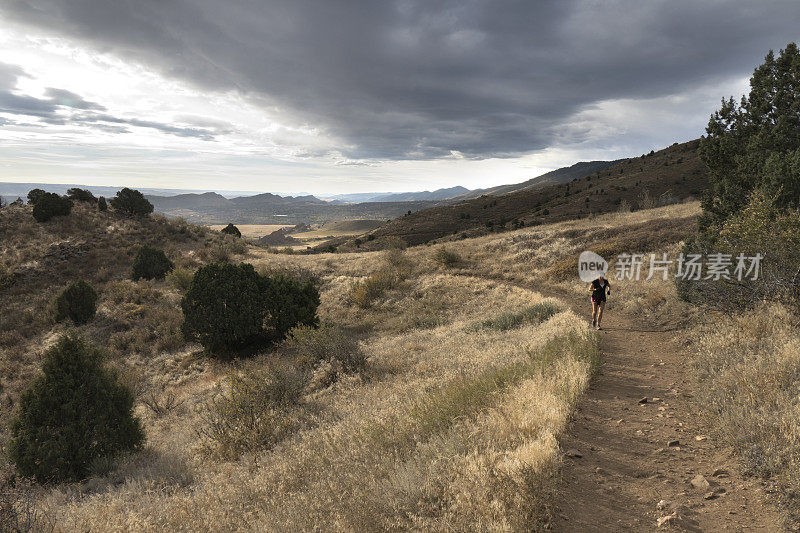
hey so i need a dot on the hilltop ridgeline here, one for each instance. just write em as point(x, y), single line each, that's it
point(671, 175)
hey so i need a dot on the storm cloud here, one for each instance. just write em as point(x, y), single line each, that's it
point(61, 107)
point(420, 79)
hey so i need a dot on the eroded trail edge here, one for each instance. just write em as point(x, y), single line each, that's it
point(636, 454)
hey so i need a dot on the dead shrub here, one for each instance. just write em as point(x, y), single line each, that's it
point(260, 408)
point(180, 278)
point(144, 320)
point(446, 257)
point(160, 404)
point(327, 343)
point(6, 277)
point(364, 293)
point(646, 200)
point(19, 510)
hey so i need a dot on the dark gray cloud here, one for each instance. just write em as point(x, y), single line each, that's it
point(69, 99)
point(14, 104)
point(103, 121)
point(62, 107)
point(419, 78)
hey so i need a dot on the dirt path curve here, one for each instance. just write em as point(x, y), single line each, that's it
point(634, 454)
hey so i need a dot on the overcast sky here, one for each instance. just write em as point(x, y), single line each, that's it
point(361, 95)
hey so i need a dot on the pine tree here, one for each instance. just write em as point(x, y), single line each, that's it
point(755, 144)
point(132, 202)
point(74, 413)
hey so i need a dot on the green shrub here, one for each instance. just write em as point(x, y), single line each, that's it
point(49, 205)
point(34, 195)
point(327, 343)
point(150, 263)
point(224, 307)
point(101, 204)
point(78, 302)
point(131, 202)
point(760, 227)
point(446, 257)
point(290, 302)
point(73, 414)
point(228, 307)
point(534, 314)
point(81, 195)
point(258, 411)
point(230, 229)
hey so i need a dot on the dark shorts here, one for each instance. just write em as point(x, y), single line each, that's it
point(599, 299)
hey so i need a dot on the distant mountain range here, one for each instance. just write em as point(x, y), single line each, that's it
point(214, 200)
point(457, 194)
point(438, 194)
point(266, 208)
point(13, 191)
point(420, 196)
point(354, 198)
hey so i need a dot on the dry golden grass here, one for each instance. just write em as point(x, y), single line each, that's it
point(452, 424)
point(748, 372)
point(455, 430)
point(447, 427)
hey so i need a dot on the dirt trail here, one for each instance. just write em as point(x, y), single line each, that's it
point(635, 454)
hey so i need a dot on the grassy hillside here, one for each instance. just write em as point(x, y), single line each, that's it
point(339, 228)
point(438, 194)
point(465, 364)
point(135, 322)
point(672, 174)
point(451, 424)
point(554, 177)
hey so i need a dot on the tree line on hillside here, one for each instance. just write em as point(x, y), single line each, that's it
point(47, 205)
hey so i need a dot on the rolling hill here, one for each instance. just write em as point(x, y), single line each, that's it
point(559, 175)
point(670, 175)
point(438, 194)
point(417, 196)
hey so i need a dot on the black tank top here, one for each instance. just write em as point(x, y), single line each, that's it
point(599, 291)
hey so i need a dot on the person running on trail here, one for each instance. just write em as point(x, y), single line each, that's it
point(599, 288)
